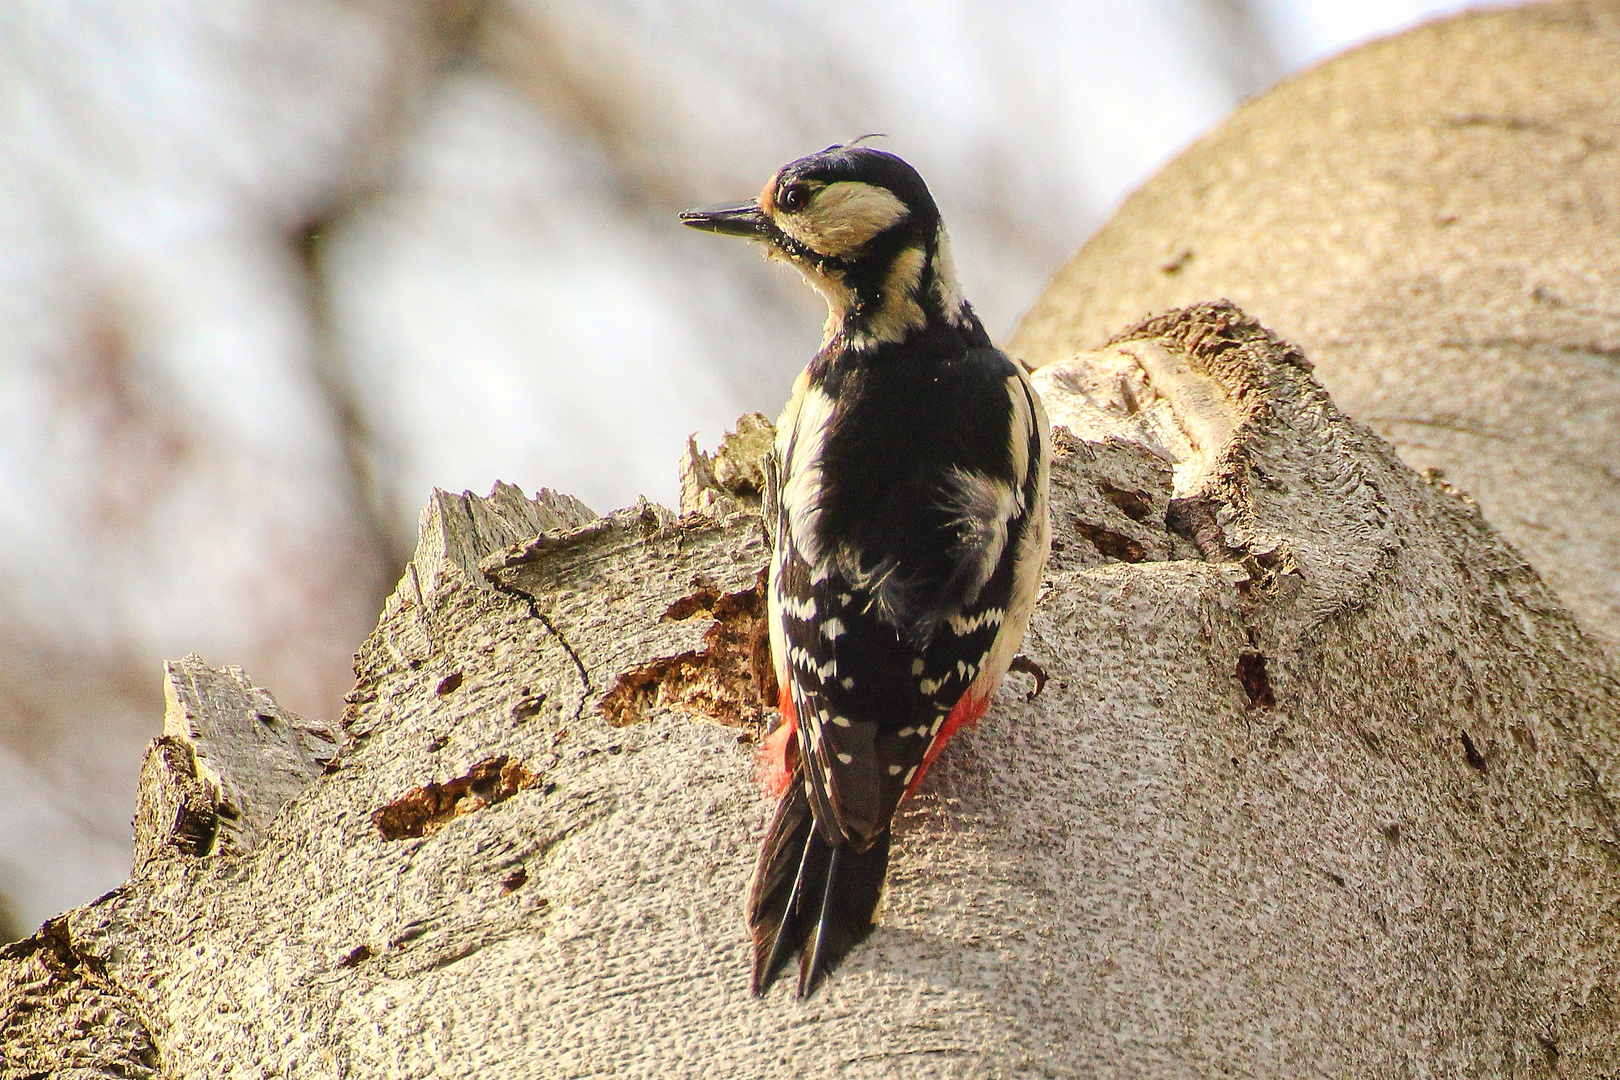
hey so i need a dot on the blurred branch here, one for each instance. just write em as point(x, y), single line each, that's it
point(1243, 50)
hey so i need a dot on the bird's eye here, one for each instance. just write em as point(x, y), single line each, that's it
point(793, 198)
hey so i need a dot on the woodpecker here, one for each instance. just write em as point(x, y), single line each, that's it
point(910, 535)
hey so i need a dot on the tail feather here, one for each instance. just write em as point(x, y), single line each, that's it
point(808, 896)
point(792, 860)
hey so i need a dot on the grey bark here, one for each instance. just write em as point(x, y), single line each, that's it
point(227, 762)
point(1320, 782)
point(1317, 776)
point(1435, 220)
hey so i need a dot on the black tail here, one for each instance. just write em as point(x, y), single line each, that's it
point(809, 896)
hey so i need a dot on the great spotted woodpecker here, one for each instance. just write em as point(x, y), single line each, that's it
point(911, 535)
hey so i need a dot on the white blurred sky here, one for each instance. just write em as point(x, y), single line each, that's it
point(1308, 30)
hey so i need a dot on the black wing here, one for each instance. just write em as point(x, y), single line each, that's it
point(914, 535)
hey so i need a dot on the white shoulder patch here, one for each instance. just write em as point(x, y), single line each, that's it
point(801, 484)
point(788, 422)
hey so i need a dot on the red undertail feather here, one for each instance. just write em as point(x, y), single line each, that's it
point(772, 767)
point(966, 714)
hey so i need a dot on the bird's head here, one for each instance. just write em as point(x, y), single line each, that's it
point(861, 226)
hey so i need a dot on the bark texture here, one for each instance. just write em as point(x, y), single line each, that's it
point(1435, 219)
point(1320, 781)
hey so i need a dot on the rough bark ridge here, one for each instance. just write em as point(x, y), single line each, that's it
point(1435, 219)
point(1320, 782)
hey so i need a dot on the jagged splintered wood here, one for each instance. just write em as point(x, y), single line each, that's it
point(1321, 782)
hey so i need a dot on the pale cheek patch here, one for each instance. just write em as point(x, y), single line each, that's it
point(844, 216)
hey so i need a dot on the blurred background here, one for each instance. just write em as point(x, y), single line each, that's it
point(272, 269)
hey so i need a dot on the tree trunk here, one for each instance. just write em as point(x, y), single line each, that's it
point(1311, 774)
point(1435, 220)
point(1318, 779)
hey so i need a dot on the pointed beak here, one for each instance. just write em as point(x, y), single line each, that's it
point(745, 219)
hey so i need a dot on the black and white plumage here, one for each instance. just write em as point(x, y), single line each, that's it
point(910, 539)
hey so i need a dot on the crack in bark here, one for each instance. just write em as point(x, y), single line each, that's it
point(1193, 518)
point(1604, 804)
point(579, 665)
point(1502, 123)
point(1456, 426)
point(1109, 544)
point(922, 1051)
point(1251, 672)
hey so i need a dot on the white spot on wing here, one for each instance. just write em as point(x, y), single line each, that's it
point(961, 627)
point(801, 608)
point(894, 770)
point(845, 758)
point(832, 628)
